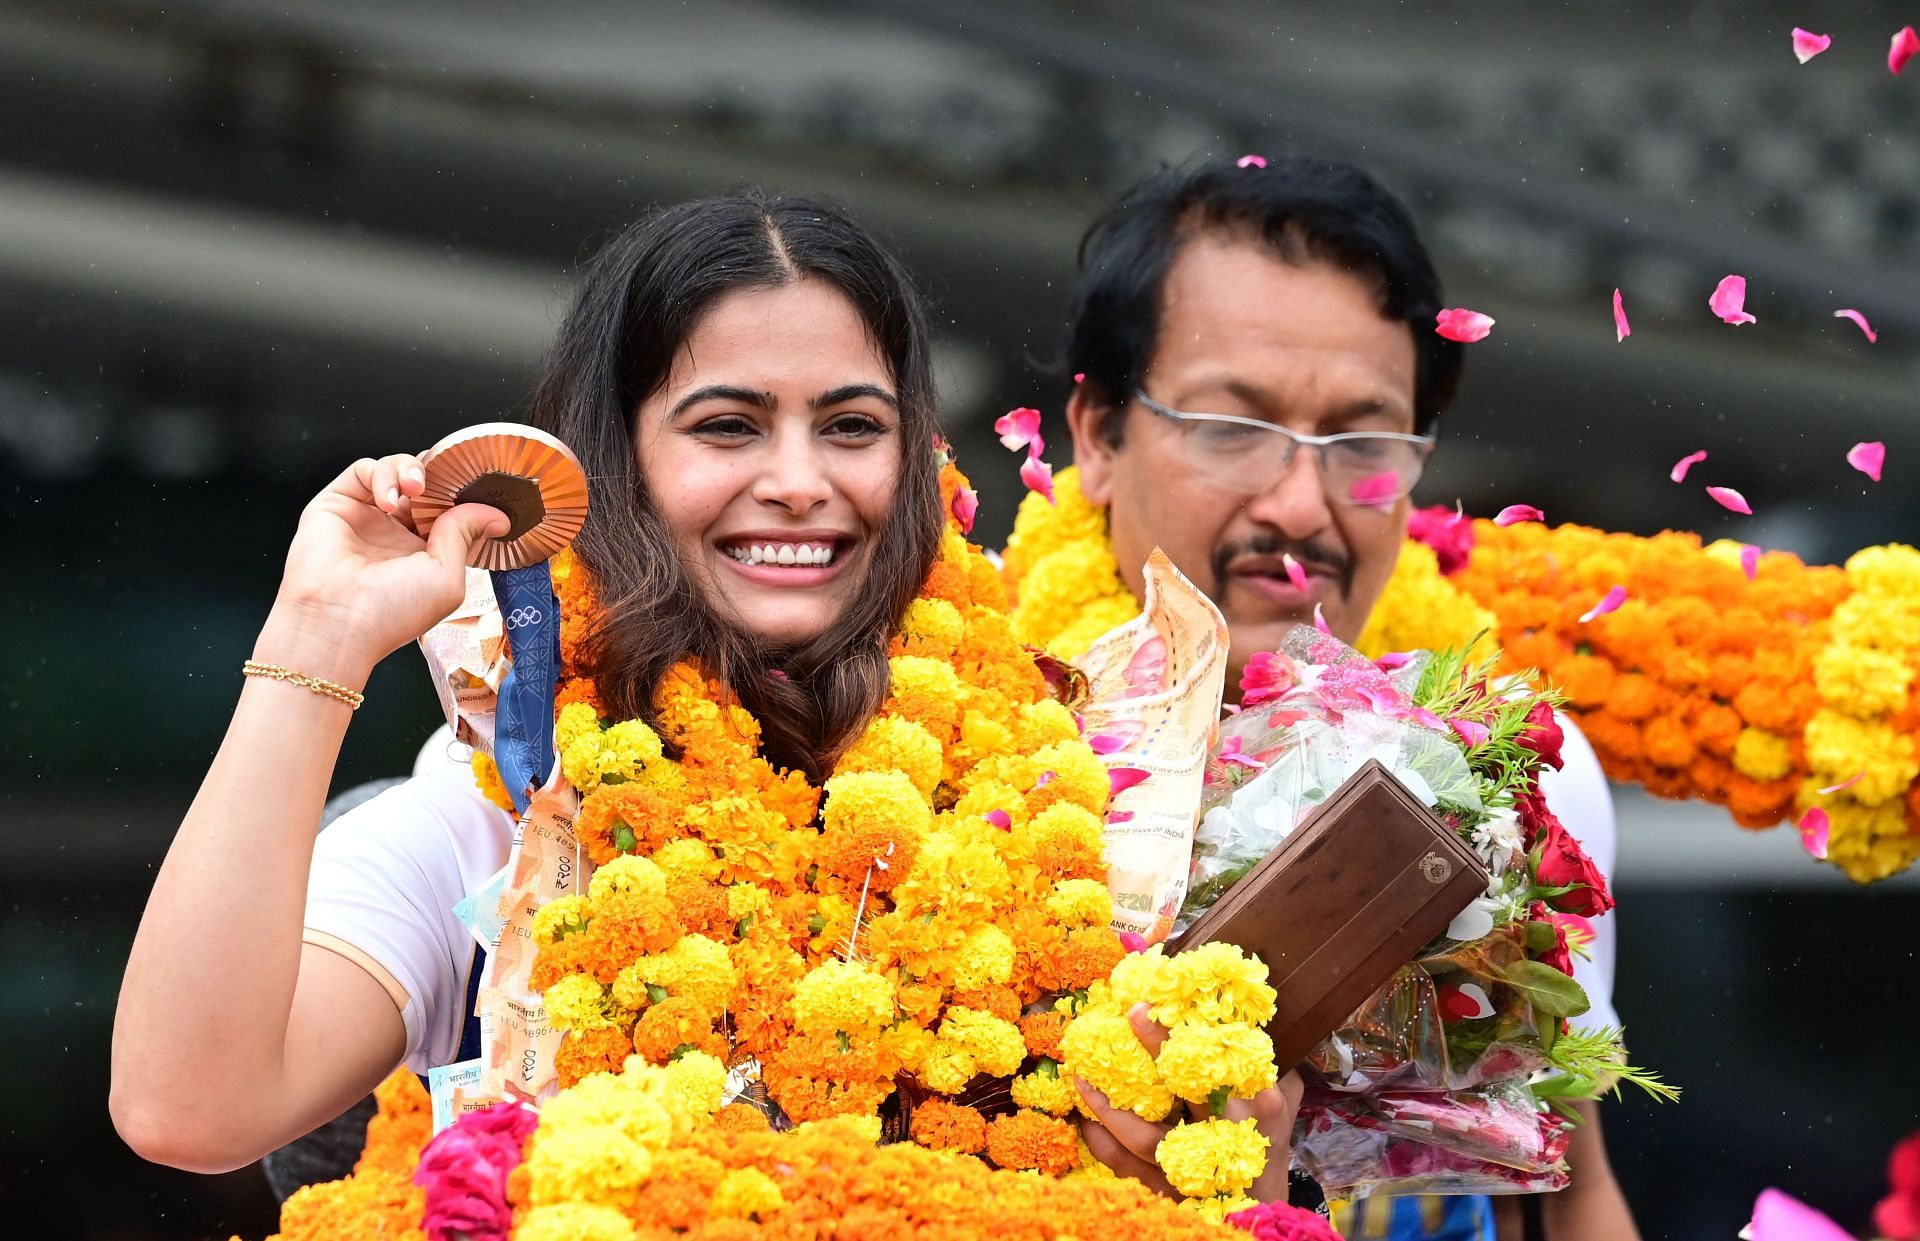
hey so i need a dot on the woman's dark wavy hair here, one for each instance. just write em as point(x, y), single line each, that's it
point(639, 300)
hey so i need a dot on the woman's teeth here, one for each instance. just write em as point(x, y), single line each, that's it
point(783, 553)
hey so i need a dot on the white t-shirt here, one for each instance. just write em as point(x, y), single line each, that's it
point(387, 874)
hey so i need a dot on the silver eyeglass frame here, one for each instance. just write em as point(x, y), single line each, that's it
point(1319, 443)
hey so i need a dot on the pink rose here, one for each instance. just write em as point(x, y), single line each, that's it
point(1447, 532)
point(1267, 676)
point(464, 1170)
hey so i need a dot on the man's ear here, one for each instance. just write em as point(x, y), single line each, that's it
point(1092, 453)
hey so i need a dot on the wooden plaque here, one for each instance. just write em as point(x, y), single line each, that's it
point(1366, 880)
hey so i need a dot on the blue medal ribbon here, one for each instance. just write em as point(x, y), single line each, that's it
point(523, 719)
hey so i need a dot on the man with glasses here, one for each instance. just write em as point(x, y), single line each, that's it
point(1259, 382)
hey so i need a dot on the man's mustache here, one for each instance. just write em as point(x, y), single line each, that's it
point(1306, 551)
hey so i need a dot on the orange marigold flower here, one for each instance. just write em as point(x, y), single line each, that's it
point(1033, 1140)
point(1717, 728)
point(585, 1052)
point(672, 1024)
point(1634, 697)
point(702, 908)
point(1666, 742)
point(400, 1126)
point(943, 1126)
point(741, 1118)
point(627, 818)
point(1000, 1001)
point(1042, 1032)
point(1089, 955)
point(1586, 680)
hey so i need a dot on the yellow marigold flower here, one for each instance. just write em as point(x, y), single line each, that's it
point(1064, 840)
point(844, 997)
point(985, 796)
point(1214, 983)
point(1137, 979)
point(585, 1164)
point(994, 1043)
point(1860, 681)
point(1043, 723)
point(926, 691)
point(982, 736)
point(946, 1069)
point(1199, 1059)
point(872, 827)
point(559, 918)
point(687, 858)
point(892, 743)
point(1044, 1090)
point(1101, 1048)
point(745, 1193)
point(1877, 622)
point(1761, 755)
point(985, 959)
point(635, 876)
point(1882, 755)
point(1079, 777)
point(1213, 1157)
point(748, 900)
point(1421, 609)
point(959, 871)
point(577, 1002)
point(1216, 1210)
point(1892, 569)
point(907, 1045)
point(847, 1130)
point(576, 720)
point(932, 628)
point(486, 775)
point(696, 968)
point(626, 1101)
point(1080, 902)
point(580, 762)
point(574, 1221)
point(695, 1085)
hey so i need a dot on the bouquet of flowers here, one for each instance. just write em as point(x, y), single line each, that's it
point(1458, 1076)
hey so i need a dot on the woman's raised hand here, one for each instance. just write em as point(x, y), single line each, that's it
point(359, 583)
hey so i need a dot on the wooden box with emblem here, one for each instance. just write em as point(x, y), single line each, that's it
point(1367, 879)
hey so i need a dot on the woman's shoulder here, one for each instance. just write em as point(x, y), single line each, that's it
point(436, 819)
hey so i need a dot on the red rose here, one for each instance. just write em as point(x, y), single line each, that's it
point(1543, 735)
point(1563, 863)
point(1449, 534)
point(1898, 1215)
point(1559, 956)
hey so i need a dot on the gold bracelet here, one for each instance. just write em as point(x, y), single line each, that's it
point(328, 689)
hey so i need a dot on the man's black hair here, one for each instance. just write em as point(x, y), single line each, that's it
point(1305, 210)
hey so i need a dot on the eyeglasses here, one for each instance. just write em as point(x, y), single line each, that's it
point(1367, 468)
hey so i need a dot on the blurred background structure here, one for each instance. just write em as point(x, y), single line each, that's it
point(245, 241)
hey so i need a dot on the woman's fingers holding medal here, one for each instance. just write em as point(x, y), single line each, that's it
point(390, 483)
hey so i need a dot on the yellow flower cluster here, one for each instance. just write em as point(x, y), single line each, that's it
point(1060, 570)
point(1214, 1001)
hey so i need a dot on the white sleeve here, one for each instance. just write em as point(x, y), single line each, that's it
point(386, 876)
point(1579, 795)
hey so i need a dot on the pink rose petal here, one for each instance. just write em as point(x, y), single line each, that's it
point(1807, 45)
point(1729, 301)
point(1120, 779)
point(1046, 778)
point(1120, 816)
point(1393, 661)
point(1018, 428)
point(1000, 819)
point(1376, 492)
point(1514, 514)
point(1750, 561)
point(1463, 325)
point(1104, 744)
point(966, 506)
point(1814, 829)
point(1905, 44)
point(1679, 471)
point(1320, 621)
point(1781, 1217)
point(1295, 574)
point(1860, 321)
point(1038, 476)
point(1728, 498)
point(1231, 752)
point(1133, 941)
point(1610, 602)
point(1869, 458)
point(1079, 377)
point(1251, 161)
point(1621, 330)
point(1473, 732)
point(1844, 785)
point(1579, 930)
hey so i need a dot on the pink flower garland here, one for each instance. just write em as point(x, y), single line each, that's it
point(464, 1171)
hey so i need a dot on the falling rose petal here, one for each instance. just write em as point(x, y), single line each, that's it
point(966, 506)
point(1814, 829)
point(1019, 427)
point(1120, 779)
point(1807, 45)
point(1320, 621)
point(1679, 471)
point(1463, 325)
point(1782, 1217)
point(1104, 744)
point(1251, 161)
point(1377, 492)
point(1133, 941)
point(1750, 561)
point(1038, 476)
point(1473, 732)
point(1295, 574)
point(1514, 514)
point(1860, 321)
point(1000, 819)
point(1120, 816)
point(1731, 500)
point(1905, 44)
point(1610, 602)
point(1729, 301)
point(1621, 330)
point(1079, 377)
point(1869, 458)
point(1844, 785)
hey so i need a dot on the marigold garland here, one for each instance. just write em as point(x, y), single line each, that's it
point(1757, 694)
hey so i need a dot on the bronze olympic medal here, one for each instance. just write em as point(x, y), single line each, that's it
point(524, 472)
